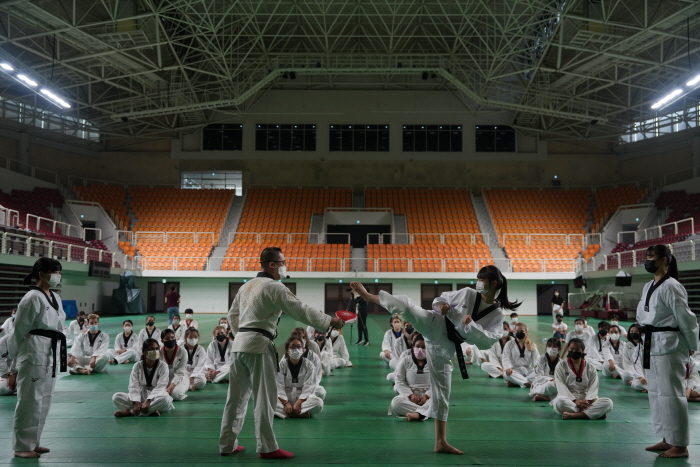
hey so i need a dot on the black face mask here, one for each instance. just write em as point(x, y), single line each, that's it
point(603, 332)
point(221, 337)
point(170, 344)
point(634, 336)
point(520, 335)
point(409, 329)
point(150, 323)
point(559, 320)
point(650, 266)
point(575, 355)
point(81, 320)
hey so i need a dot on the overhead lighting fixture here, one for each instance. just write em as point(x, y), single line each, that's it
point(667, 99)
point(30, 83)
point(7, 67)
point(27, 80)
point(55, 99)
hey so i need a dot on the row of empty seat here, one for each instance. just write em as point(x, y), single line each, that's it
point(608, 200)
point(35, 202)
point(300, 258)
point(433, 258)
point(111, 197)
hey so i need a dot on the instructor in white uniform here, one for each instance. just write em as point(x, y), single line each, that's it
point(670, 335)
point(34, 346)
point(254, 316)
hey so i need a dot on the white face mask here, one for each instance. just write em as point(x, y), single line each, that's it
point(176, 321)
point(296, 353)
point(615, 336)
point(334, 333)
point(282, 271)
point(505, 334)
point(515, 320)
point(153, 354)
point(224, 325)
point(54, 280)
point(94, 327)
point(127, 328)
point(613, 323)
point(552, 351)
point(192, 341)
point(188, 316)
point(481, 288)
point(579, 327)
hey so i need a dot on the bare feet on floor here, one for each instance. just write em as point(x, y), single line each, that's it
point(675, 451)
point(662, 446)
point(41, 449)
point(412, 417)
point(27, 454)
point(511, 385)
point(574, 416)
point(445, 448)
point(123, 413)
point(540, 397)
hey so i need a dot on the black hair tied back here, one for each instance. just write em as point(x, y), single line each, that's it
point(492, 273)
point(45, 265)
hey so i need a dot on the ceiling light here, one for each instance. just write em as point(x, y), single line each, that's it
point(27, 80)
point(6, 66)
point(693, 81)
point(668, 98)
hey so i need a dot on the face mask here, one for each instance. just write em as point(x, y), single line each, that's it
point(603, 332)
point(556, 294)
point(397, 328)
point(559, 320)
point(520, 334)
point(224, 325)
point(81, 320)
point(220, 338)
point(481, 288)
point(409, 329)
point(150, 323)
point(94, 327)
point(170, 344)
point(505, 333)
point(192, 342)
point(296, 353)
point(176, 321)
point(334, 333)
point(634, 336)
point(54, 280)
point(419, 353)
point(515, 320)
point(614, 336)
point(552, 351)
point(282, 271)
point(127, 328)
point(188, 316)
point(614, 323)
point(579, 327)
point(153, 354)
point(575, 355)
point(650, 266)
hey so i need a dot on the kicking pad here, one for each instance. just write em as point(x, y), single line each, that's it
point(348, 316)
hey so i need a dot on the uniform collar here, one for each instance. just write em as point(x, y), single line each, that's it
point(265, 274)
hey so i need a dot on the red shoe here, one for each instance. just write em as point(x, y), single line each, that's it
point(238, 449)
point(278, 454)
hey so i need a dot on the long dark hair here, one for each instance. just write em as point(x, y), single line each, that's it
point(663, 251)
point(45, 265)
point(492, 273)
point(144, 347)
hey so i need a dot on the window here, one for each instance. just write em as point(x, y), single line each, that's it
point(222, 137)
point(428, 292)
point(285, 137)
point(338, 297)
point(432, 138)
point(495, 138)
point(223, 180)
point(359, 138)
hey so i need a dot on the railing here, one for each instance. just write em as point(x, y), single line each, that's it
point(534, 239)
point(658, 230)
point(594, 239)
point(8, 216)
point(164, 237)
point(688, 250)
point(109, 216)
point(22, 245)
point(681, 175)
point(29, 170)
point(43, 223)
point(258, 238)
point(83, 181)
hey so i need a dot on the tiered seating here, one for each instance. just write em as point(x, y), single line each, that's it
point(608, 200)
point(427, 258)
point(557, 255)
point(161, 256)
point(300, 258)
point(111, 197)
point(682, 206)
point(590, 251)
point(127, 248)
point(33, 202)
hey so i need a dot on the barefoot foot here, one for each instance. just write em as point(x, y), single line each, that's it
point(41, 449)
point(412, 417)
point(675, 451)
point(27, 454)
point(154, 414)
point(662, 446)
point(123, 413)
point(540, 397)
point(445, 448)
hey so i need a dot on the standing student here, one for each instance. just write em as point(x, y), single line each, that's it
point(633, 373)
point(598, 346)
point(465, 314)
point(296, 383)
point(519, 358)
point(90, 351)
point(178, 329)
point(559, 327)
point(37, 345)
point(77, 327)
point(254, 314)
point(149, 378)
point(577, 332)
point(9, 324)
point(190, 322)
point(176, 358)
point(126, 349)
point(557, 305)
point(196, 358)
point(149, 332)
point(494, 366)
point(670, 334)
point(172, 303)
point(359, 305)
point(341, 357)
point(577, 387)
point(218, 361)
point(394, 333)
point(413, 384)
point(8, 375)
point(543, 386)
point(616, 350)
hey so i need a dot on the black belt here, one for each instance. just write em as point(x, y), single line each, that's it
point(266, 334)
point(55, 337)
point(648, 331)
point(457, 339)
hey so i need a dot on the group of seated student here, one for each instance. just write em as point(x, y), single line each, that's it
point(333, 350)
point(396, 344)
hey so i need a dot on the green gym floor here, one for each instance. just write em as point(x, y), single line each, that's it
point(492, 424)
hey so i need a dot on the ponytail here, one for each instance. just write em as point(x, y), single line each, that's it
point(45, 265)
point(663, 251)
point(673, 268)
point(492, 273)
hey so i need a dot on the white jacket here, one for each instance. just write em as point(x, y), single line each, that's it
point(340, 350)
point(179, 333)
point(138, 391)
point(5, 360)
point(195, 367)
point(214, 359)
point(408, 381)
point(569, 388)
point(119, 343)
point(598, 349)
point(143, 335)
point(82, 347)
point(511, 358)
point(495, 352)
point(303, 388)
point(177, 369)
point(633, 360)
point(35, 312)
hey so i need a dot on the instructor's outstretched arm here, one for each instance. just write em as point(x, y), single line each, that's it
point(360, 290)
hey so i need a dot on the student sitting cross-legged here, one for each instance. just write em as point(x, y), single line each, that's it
point(413, 384)
point(89, 353)
point(296, 383)
point(126, 348)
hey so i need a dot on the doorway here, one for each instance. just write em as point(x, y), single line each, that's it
point(545, 293)
point(338, 297)
point(156, 296)
point(428, 293)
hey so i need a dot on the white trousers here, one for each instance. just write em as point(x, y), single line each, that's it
point(84, 363)
point(199, 381)
point(441, 384)
point(339, 363)
point(384, 359)
point(610, 374)
point(391, 377)
point(598, 365)
point(401, 405)
point(160, 404)
point(35, 387)
point(130, 355)
point(393, 364)
point(250, 372)
point(547, 388)
point(669, 407)
point(518, 378)
point(638, 385)
point(5, 390)
point(312, 405)
point(320, 392)
point(492, 369)
point(221, 377)
point(179, 392)
point(600, 407)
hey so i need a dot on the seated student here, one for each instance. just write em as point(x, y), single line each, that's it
point(577, 387)
point(577, 332)
point(218, 361)
point(296, 383)
point(413, 384)
point(150, 331)
point(598, 346)
point(196, 358)
point(394, 333)
point(392, 376)
point(692, 381)
point(79, 326)
point(309, 344)
point(223, 322)
point(89, 353)
point(8, 374)
point(544, 387)
point(326, 351)
point(494, 366)
point(472, 354)
point(401, 344)
point(341, 357)
point(633, 372)
point(519, 358)
point(190, 322)
point(179, 330)
point(313, 358)
point(586, 328)
point(513, 321)
point(9, 324)
point(176, 358)
point(614, 321)
point(149, 378)
point(560, 328)
point(616, 351)
point(125, 345)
